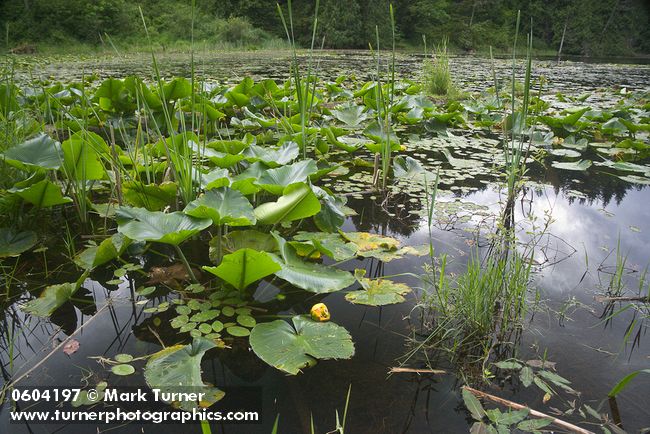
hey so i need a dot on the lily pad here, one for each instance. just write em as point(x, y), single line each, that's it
point(123, 358)
point(634, 179)
point(292, 348)
point(351, 115)
point(169, 228)
point(123, 369)
point(378, 292)
point(14, 243)
point(580, 165)
point(178, 369)
point(367, 242)
point(238, 331)
point(275, 180)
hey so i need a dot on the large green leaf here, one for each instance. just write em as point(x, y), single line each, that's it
point(177, 89)
point(250, 238)
point(223, 206)
point(52, 298)
point(13, 243)
point(113, 95)
point(244, 267)
point(38, 152)
point(178, 369)
point(333, 211)
point(330, 244)
point(297, 202)
point(153, 197)
point(275, 180)
point(406, 167)
point(460, 163)
point(43, 194)
point(378, 292)
point(309, 276)
point(293, 348)
point(216, 178)
point(580, 165)
point(81, 158)
point(106, 251)
point(274, 157)
point(169, 228)
point(351, 115)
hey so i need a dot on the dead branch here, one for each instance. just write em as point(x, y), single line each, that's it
point(514, 405)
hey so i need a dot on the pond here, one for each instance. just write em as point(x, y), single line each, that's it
point(588, 227)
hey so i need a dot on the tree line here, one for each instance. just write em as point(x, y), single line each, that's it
point(589, 27)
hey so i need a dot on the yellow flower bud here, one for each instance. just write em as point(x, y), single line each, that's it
point(320, 313)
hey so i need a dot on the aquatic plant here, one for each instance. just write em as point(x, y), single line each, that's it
point(437, 73)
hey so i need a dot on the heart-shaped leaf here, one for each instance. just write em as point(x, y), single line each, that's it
point(223, 206)
point(178, 369)
point(40, 152)
point(378, 292)
point(293, 348)
point(309, 276)
point(297, 202)
point(52, 297)
point(43, 194)
point(244, 267)
point(14, 243)
point(275, 180)
point(172, 228)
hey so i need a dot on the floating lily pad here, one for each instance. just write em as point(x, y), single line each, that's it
point(178, 369)
point(378, 292)
point(246, 321)
point(238, 331)
point(123, 369)
point(580, 165)
point(634, 179)
point(123, 358)
point(292, 348)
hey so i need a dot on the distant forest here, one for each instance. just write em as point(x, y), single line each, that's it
point(593, 27)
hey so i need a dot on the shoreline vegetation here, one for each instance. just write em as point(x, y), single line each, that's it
point(581, 28)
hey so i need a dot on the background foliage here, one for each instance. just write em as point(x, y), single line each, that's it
point(603, 27)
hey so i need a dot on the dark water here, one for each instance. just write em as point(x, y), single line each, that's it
point(587, 351)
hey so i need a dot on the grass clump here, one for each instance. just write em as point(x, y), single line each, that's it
point(437, 73)
point(475, 314)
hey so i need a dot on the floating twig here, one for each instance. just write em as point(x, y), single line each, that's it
point(604, 299)
point(398, 370)
point(514, 405)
